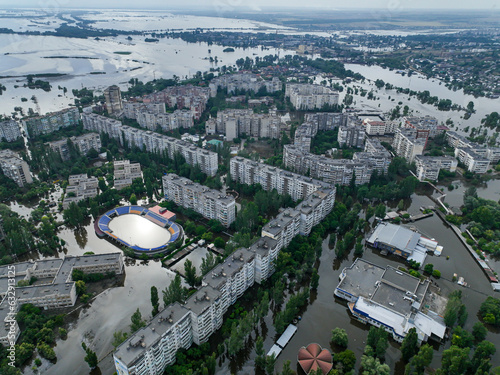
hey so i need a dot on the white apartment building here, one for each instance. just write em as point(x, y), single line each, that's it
point(15, 168)
point(406, 144)
point(308, 96)
point(181, 118)
point(132, 109)
point(473, 161)
point(9, 130)
point(153, 142)
point(125, 173)
point(80, 187)
point(428, 167)
point(212, 204)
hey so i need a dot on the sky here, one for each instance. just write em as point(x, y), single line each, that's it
point(257, 4)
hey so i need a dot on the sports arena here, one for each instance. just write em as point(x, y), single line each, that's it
point(140, 229)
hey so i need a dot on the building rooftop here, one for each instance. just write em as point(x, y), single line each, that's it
point(202, 299)
point(361, 279)
point(394, 235)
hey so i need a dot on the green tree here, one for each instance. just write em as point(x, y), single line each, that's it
point(479, 332)
point(490, 311)
point(455, 361)
point(137, 321)
point(420, 361)
point(372, 366)
point(73, 216)
point(154, 300)
point(270, 363)
point(346, 359)
point(339, 337)
point(380, 211)
point(174, 292)
point(483, 352)
point(314, 279)
point(428, 268)
point(46, 351)
point(24, 352)
point(260, 359)
point(118, 338)
point(287, 369)
point(409, 346)
point(90, 357)
point(133, 199)
point(219, 243)
point(378, 340)
point(190, 274)
point(81, 288)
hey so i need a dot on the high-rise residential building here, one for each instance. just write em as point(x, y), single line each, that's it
point(327, 120)
point(84, 143)
point(428, 167)
point(51, 122)
point(308, 96)
point(131, 109)
point(351, 135)
point(425, 125)
point(113, 97)
point(212, 204)
point(407, 145)
point(181, 118)
point(15, 168)
point(244, 81)
point(234, 123)
point(474, 162)
point(473, 155)
point(9, 130)
point(153, 142)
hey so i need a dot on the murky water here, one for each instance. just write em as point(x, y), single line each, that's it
point(196, 257)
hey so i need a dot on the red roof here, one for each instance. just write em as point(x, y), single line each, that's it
point(313, 357)
point(166, 214)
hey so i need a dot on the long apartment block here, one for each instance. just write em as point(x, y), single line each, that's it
point(153, 142)
point(84, 143)
point(79, 187)
point(210, 203)
point(243, 81)
point(428, 167)
point(308, 96)
point(51, 122)
point(473, 155)
point(407, 144)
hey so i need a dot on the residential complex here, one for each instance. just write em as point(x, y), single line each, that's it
point(15, 168)
point(326, 120)
point(476, 158)
point(84, 143)
point(153, 347)
point(113, 97)
point(407, 145)
point(79, 187)
point(244, 81)
point(428, 167)
point(393, 300)
point(234, 123)
point(153, 142)
point(308, 96)
point(212, 204)
point(51, 122)
point(304, 135)
point(426, 126)
point(180, 118)
point(186, 96)
point(351, 135)
point(132, 108)
point(60, 291)
point(9, 131)
point(125, 173)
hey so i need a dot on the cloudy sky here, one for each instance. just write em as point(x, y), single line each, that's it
point(256, 4)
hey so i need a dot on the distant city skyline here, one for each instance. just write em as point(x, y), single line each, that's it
point(256, 5)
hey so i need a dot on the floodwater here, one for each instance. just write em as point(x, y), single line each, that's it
point(139, 231)
point(196, 257)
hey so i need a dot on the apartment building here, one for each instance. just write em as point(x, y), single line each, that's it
point(84, 143)
point(457, 141)
point(351, 135)
point(212, 204)
point(304, 135)
point(244, 81)
point(9, 130)
point(132, 108)
point(308, 96)
point(426, 126)
point(181, 118)
point(327, 120)
point(80, 187)
point(15, 168)
point(428, 167)
point(407, 145)
point(51, 122)
point(125, 173)
point(284, 227)
point(189, 97)
point(234, 123)
point(266, 251)
point(113, 97)
point(474, 162)
point(153, 142)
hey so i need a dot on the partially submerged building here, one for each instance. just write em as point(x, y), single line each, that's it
point(399, 240)
point(391, 299)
